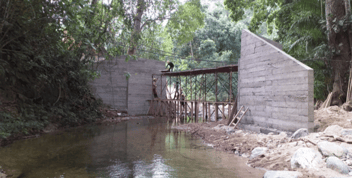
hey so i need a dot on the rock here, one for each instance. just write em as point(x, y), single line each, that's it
point(50, 128)
point(125, 118)
point(2, 175)
point(316, 127)
point(333, 130)
point(229, 129)
point(347, 146)
point(219, 126)
point(345, 132)
point(244, 155)
point(282, 174)
point(258, 151)
point(349, 162)
point(283, 134)
point(300, 133)
point(334, 108)
point(306, 158)
point(331, 149)
point(238, 131)
point(336, 164)
point(347, 106)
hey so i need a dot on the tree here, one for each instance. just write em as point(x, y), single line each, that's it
point(339, 42)
point(146, 13)
point(186, 21)
point(45, 51)
point(299, 30)
point(218, 40)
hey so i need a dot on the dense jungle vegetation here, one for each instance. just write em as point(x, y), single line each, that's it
point(48, 46)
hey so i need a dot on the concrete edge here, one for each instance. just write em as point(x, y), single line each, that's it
point(279, 50)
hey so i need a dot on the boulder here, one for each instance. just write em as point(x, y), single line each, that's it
point(258, 151)
point(300, 133)
point(336, 164)
point(2, 175)
point(229, 129)
point(316, 127)
point(282, 174)
point(306, 158)
point(238, 131)
point(333, 130)
point(346, 132)
point(347, 106)
point(347, 146)
point(331, 149)
point(283, 134)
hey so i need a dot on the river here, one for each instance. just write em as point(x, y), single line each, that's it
point(134, 148)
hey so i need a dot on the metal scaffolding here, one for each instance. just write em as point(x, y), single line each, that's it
point(196, 94)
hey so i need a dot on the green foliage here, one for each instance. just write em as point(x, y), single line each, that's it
point(186, 21)
point(299, 31)
point(46, 48)
point(218, 40)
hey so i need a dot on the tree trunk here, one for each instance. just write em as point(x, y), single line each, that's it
point(190, 44)
point(348, 14)
point(338, 41)
point(136, 27)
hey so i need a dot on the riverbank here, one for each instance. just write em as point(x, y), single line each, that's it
point(109, 116)
point(309, 155)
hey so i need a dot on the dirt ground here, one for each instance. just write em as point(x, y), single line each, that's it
point(280, 147)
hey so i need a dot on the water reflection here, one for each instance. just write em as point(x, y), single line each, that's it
point(137, 148)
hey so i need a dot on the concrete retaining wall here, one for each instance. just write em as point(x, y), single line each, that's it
point(277, 88)
point(113, 88)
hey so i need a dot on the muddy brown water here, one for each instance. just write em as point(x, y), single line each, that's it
point(134, 148)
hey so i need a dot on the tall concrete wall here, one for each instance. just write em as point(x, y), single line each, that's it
point(277, 88)
point(132, 95)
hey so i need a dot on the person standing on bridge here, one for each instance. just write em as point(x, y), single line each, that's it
point(171, 66)
point(154, 88)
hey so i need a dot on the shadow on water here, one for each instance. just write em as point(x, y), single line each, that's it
point(135, 148)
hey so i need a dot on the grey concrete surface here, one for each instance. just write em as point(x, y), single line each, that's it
point(130, 96)
point(277, 88)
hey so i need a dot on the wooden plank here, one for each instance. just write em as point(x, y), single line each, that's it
point(209, 115)
point(175, 111)
point(213, 102)
point(230, 91)
point(167, 110)
point(161, 86)
point(228, 110)
point(203, 111)
point(196, 110)
point(179, 109)
point(223, 111)
point(186, 108)
point(232, 113)
point(216, 96)
point(240, 118)
point(205, 98)
point(223, 69)
point(192, 110)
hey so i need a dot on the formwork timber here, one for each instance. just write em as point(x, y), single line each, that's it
point(194, 86)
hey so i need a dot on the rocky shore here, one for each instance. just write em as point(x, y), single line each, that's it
point(323, 154)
